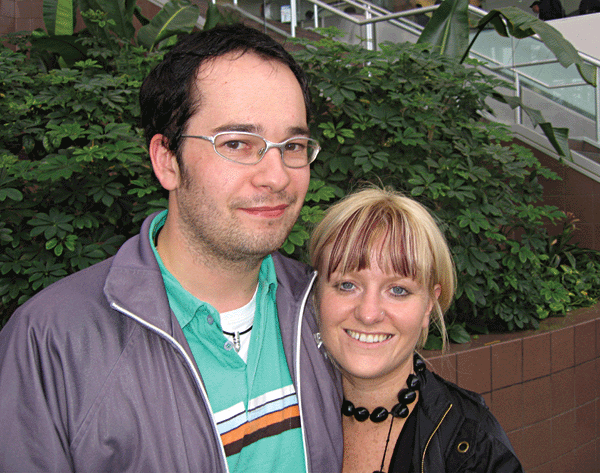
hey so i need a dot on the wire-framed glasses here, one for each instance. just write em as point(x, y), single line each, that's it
point(249, 148)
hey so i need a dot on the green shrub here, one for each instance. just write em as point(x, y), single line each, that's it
point(75, 179)
point(409, 118)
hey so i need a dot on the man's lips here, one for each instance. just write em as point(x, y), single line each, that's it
point(266, 211)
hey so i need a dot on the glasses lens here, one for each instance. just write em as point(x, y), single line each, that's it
point(238, 147)
point(299, 152)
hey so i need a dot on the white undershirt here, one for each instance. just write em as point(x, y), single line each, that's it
point(239, 320)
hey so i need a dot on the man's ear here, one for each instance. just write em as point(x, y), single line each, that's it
point(164, 163)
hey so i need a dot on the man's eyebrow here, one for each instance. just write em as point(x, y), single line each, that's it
point(292, 131)
point(299, 131)
point(237, 127)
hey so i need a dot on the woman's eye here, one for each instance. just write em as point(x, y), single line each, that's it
point(399, 291)
point(346, 286)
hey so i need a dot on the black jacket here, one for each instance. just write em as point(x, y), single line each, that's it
point(456, 432)
point(551, 10)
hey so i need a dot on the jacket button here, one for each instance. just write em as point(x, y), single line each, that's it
point(228, 345)
point(463, 447)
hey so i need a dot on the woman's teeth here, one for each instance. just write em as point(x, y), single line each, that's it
point(368, 337)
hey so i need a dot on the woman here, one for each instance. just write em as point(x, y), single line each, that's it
point(385, 273)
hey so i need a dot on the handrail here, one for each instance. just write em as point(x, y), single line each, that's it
point(373, 14)
point(516, 69)
point(381, 14)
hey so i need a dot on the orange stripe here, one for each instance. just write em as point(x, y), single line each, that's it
point(260, 423)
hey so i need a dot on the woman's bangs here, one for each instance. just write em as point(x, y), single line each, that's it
point(374, 237)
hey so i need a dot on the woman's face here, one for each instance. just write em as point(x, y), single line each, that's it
point(371, 321)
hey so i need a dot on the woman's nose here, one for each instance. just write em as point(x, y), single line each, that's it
point(370, 309)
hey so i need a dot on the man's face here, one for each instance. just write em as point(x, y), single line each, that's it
point(536, 9)
point(233, 211)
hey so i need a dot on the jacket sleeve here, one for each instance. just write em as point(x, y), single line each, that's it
point(32, 400)
point(482, 447)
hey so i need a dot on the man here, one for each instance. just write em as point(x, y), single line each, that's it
point(588, 6)
point(548, 9)
point(192, 349)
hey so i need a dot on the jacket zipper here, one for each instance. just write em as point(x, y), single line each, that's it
point(189, 362)
point(431, 436)
point(297, 356)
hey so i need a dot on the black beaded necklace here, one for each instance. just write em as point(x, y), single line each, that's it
point(406, 396)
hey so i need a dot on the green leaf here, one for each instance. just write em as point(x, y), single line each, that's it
point(119, 11)
point(67, 46)
point(214, 17)
point(137, 11)
point(58, 16)
point(448, 28)
point(177, 16)
point(434, 342)
point(11, 193)
point(521, 24)
point(558, 137)
point(458, 334)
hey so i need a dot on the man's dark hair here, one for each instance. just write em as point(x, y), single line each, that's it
point(167, 97)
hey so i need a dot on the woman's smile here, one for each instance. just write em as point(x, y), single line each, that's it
point(368, 337)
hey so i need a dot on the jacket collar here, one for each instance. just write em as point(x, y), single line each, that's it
point(434, 405)
point(293, 285)
point(134, 282)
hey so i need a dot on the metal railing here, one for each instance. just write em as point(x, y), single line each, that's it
point(526, 63)
point(543, 75)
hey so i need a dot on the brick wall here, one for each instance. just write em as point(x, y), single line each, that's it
point(20, 15)
point(576, 194)
point(543, 387)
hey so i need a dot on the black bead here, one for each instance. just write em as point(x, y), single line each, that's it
point(347, 408)
point(419, 364)
point(361, 414)
point(379, 414)
point(403, 412)
point(413, 382)
point(400, 410)
point(407, 396)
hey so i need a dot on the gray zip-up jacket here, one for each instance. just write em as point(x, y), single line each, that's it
point(96, 376)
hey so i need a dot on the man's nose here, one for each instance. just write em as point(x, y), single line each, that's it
point(271, 171)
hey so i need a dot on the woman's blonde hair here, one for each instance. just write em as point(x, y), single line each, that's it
point(409, 241)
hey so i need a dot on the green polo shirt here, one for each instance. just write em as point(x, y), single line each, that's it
point(254, 403)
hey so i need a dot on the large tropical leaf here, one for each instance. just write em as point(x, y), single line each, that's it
point(137, 11)
point(58, 16)
point(448, 28)
point(66, 46)
point(520, 24)
point(558, 137)
point(177, 16)
point(214, 17)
